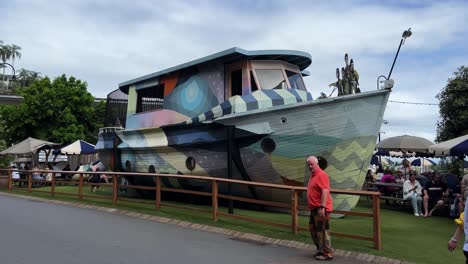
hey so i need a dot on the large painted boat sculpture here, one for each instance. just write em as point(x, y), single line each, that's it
point(248, 107)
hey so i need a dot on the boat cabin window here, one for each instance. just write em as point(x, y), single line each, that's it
point(271, 79)
point(295, 79)
point(150, 99)
point(268, 75)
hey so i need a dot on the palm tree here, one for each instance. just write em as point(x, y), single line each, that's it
point(14, 53)
point(5, 54)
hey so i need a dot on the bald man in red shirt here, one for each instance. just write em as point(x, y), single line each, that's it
point(320, 205)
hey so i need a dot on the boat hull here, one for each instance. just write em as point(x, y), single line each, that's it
point(268, 145)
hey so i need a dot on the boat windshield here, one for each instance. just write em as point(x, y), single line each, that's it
point(271, 79)
point(295, 80)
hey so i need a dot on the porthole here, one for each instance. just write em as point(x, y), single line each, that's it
point(268, 145)
point(190, 163)
point(284, 120)
point(323, 163)
point(151, 169)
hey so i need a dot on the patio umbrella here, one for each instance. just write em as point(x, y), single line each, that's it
point(424, 162)
point(78, 147)
point(454, 147)
point(27, 146)
point(406, 144)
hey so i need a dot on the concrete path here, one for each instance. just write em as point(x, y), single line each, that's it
point(40, 231)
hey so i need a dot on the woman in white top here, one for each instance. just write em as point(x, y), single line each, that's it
point(412, 190)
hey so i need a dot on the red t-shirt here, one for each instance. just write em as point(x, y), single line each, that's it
point(317, 183)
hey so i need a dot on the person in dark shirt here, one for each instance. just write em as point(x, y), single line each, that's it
point(434, 191)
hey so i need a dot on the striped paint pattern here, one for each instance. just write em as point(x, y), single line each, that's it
point(262, 99)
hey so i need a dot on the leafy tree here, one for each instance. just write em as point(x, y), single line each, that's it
point(453, 107)
point(26, 77)
point(60, 111)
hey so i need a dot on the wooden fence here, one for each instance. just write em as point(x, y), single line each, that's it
point(293, 206)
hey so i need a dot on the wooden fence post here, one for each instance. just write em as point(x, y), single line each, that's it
point(29, 181)
point(80, 187)
point(52, 185)
point(115, 189)
point(294, 212)
point(214, 201)
point(10, 179)
point(376, 218)
point(158, 192)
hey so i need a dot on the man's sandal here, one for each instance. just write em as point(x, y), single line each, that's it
point(317, 254)
point(323, 257)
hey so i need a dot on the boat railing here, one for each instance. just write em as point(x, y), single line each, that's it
point(295, 192)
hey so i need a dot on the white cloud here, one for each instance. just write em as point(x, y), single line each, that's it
point(108, 42)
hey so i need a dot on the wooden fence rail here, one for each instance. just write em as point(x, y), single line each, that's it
point(293, 206)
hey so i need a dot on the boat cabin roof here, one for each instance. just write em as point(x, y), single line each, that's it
point(295, 57)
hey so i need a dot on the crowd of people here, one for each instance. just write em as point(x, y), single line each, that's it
point(427, 192)
point(46, 171)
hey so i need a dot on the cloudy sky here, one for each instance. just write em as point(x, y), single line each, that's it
point(106, 42)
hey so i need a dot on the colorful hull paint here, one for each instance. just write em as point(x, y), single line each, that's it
point(274, 132)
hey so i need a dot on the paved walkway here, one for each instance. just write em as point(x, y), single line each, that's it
point(106, 235)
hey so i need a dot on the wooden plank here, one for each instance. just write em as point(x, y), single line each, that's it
point(376, 222)
point(97, 197)
point(256, 201)
point(39, 191)
point(187, 207)
point(52, 186)
point(254, 220)
point(364, 214)
point(115, 190)
point(186, 191)
point(158, 192)
point(140, 201)
point(64, 193)
point(214, 200)
point(10, 180)
point(294, 216)
point(141, 187)
point(80, 187)
point(29, 182)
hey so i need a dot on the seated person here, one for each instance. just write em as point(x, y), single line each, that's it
point(412, 191)
point(387, 178)
point(67, 176)
point(370, 178)
point(399, 177)
point(422, 180)
point(434, 192)
point(452, 183)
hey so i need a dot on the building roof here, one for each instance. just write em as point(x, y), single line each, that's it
point(299, 58)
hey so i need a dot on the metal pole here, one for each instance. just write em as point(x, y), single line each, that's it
point(394, 60)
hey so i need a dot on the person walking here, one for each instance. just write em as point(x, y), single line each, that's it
point(320, 205)
point(461, 230)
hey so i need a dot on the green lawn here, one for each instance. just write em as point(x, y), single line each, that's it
point(404, 236)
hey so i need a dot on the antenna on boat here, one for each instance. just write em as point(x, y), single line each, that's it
point(389, 83)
